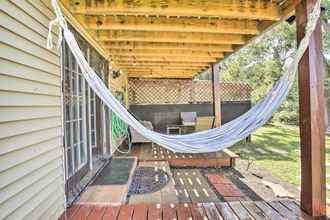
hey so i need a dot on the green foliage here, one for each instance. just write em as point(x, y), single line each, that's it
point(260, 64)
point(326, 27)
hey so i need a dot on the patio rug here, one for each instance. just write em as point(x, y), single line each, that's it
point(116, 172)
point(147, 180)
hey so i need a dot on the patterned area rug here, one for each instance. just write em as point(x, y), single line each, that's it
point(148, 180)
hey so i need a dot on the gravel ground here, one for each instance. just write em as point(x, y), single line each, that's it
point(256, 177)
point(255, 182)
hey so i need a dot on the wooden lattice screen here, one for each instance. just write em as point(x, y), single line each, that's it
point(177, 91)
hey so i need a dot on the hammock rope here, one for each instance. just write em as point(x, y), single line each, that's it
point(212, 140)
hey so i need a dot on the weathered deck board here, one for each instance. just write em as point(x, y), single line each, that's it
point(197, 211)
point(83, 212)
point(69, 213)
point(255, 212)
point(154, 212)
point(269, 211)
point(296, 209)
point(240, 211)
point(111, 213)
point(140, 212)
point(125, 212)
point(96, 213)
point(211, 211)
point(156, 153)
point(285, 212)
point(183, 211)
point(169, 212)
point(225, 210)
point(283, 209)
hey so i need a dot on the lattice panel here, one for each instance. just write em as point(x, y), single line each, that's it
point(231, 91)
point(173, 91)
point(202, 91)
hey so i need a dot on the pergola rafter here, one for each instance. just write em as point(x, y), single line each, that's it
point(164, 59)
point(161, 68)
point(161, 76)
point(168, 53)
point(249, 9)
point(163, 24)
point(161, 71)
point(152, 34)
point(168, 37)
point(167, 46)
point(163, 63)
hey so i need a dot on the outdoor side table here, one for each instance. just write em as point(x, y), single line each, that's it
point(171, 128)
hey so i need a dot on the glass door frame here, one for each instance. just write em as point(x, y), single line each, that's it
point(74, 119)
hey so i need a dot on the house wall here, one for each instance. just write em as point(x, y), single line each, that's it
point(119, 84)
point(31, 156)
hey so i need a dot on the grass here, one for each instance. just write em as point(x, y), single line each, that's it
point(276, 148)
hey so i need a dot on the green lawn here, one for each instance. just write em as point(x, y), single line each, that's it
point(276, 148)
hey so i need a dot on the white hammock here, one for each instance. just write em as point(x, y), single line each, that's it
point(205, 141)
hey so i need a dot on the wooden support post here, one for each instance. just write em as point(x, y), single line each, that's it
point(216, 94)
point(312, 117)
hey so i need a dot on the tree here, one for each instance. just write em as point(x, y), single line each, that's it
point(260, 64)
point(326, 29)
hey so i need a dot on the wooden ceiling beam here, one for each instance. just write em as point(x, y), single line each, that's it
point(167, 73)
point(64, 4)
point(159, 74)
point(288, 8)
point(249, 9)
point(169, 53)
point(162, 24)
point(159, 63)
point(132, 75)
point(164, 59)
point(167, 46)
point(162, 74)
point(168, 37)
point(161, 68)
point(146, 32)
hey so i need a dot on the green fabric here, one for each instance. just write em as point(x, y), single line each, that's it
point(119, 132)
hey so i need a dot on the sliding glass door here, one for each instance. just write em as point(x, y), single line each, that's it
point(74, 97)
point(84, 118)
point(92, 117)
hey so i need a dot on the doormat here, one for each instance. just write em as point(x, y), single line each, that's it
point(147, 180)
point(116, 172)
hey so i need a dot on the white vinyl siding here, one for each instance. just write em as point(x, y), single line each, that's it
point(31, 150)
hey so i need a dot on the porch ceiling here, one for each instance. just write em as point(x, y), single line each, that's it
point(174, 38)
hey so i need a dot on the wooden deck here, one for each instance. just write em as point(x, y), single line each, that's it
point(145, 152)
point(283, 209)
